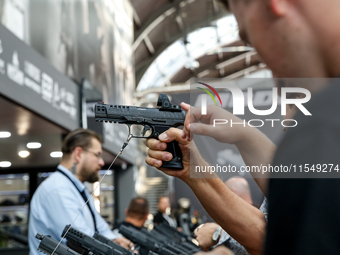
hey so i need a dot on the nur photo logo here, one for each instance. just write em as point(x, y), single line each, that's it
point(238, 103)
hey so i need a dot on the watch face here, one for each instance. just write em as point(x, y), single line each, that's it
point(216, 235)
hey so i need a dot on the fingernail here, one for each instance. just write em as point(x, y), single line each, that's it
point(167, 156)
point(163, 136)
point(183, 135)
point(158, 163)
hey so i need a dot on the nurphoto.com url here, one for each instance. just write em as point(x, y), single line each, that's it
point(264, 169)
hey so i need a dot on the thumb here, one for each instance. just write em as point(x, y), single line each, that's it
point(172, 134)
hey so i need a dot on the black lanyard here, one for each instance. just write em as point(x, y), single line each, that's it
point(82, 193)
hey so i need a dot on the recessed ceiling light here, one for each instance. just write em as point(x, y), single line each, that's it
point(5, 134)
point(33, 145)
point(24, 154)
point(56, 154)
point(5, 164)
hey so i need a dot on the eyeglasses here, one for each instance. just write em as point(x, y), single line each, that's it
point(97, 154)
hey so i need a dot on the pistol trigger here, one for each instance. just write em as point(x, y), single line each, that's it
point(154, 133)
point(145, 129)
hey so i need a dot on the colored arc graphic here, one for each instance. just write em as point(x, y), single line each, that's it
point(210, 93)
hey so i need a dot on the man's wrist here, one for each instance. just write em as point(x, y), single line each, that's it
point(244, 136)
point(196, 160)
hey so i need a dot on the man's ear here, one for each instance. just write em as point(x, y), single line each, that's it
point(77, 153)
point(279, 7)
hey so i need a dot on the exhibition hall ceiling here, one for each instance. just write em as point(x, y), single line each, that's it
point(175, 40)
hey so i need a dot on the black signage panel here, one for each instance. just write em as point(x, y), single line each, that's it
point(28, 79)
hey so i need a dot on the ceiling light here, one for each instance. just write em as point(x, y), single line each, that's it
point(33, 145)
point(5, 134)
point(56, 154)
point(5, 164)
point(24, 154)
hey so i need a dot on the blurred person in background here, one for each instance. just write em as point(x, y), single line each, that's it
point(196, 220)
point(137, 213)
point(182, 215)
point(240, 187)
point(59, 199)
point(163, 214)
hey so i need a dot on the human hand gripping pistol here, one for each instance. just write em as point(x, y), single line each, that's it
point(154, 120)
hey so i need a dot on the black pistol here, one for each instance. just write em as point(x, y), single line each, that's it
point(111, 243)
point(91, 244)
point(154, 120)
point(144, 241)
point(48, 246)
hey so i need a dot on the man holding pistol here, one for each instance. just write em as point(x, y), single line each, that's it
point(296, 39)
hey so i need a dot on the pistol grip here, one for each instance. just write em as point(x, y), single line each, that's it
point(176, 162)
point(173, 148)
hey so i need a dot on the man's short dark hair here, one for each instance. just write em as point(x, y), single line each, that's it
point(78, 138)
point(138, 208)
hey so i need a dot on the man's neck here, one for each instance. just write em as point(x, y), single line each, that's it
point(135, 222)
point(327, 33)
point(71, 166)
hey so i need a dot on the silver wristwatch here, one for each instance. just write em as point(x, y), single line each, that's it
point(217, 234)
